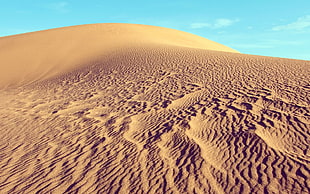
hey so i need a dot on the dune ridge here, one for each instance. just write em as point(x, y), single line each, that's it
point(41, 55)
point(156, 118)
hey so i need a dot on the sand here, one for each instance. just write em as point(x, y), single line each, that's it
point(123, 108)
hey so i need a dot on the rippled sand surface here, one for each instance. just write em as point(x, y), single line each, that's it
point(121, 108)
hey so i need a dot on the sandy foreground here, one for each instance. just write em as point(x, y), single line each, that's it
point(123, 108)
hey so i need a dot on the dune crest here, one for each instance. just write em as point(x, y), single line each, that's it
point(155, 111)
point(36, 56)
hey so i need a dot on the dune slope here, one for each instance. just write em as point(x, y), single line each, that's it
point(153, 111)
point(35, 56)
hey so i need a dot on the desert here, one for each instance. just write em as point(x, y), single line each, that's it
point(128, 108)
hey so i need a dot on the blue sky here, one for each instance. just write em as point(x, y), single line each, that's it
point(279, 28)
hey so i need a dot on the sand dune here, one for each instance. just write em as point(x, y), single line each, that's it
point(122, 108)
point(37, 56)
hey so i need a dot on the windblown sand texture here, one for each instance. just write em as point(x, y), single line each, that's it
point(123, 108)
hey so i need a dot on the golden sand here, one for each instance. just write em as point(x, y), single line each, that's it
point(123, 108)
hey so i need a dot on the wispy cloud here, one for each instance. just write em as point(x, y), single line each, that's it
point(61, 7)
point(218, 23)
point(273, 43)
point(301, 24)
point(200, 25)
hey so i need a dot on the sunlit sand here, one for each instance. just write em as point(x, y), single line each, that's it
point(124, 108)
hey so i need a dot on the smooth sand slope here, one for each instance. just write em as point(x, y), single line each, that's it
point(37, 56)
point(122, 108)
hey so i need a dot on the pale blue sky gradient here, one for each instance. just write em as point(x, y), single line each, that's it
point(278, 28)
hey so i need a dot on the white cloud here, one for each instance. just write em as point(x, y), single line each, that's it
point(218, 23)
point(61, 7)
point(268, 44)
point(300, 24)
point(200, 25)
